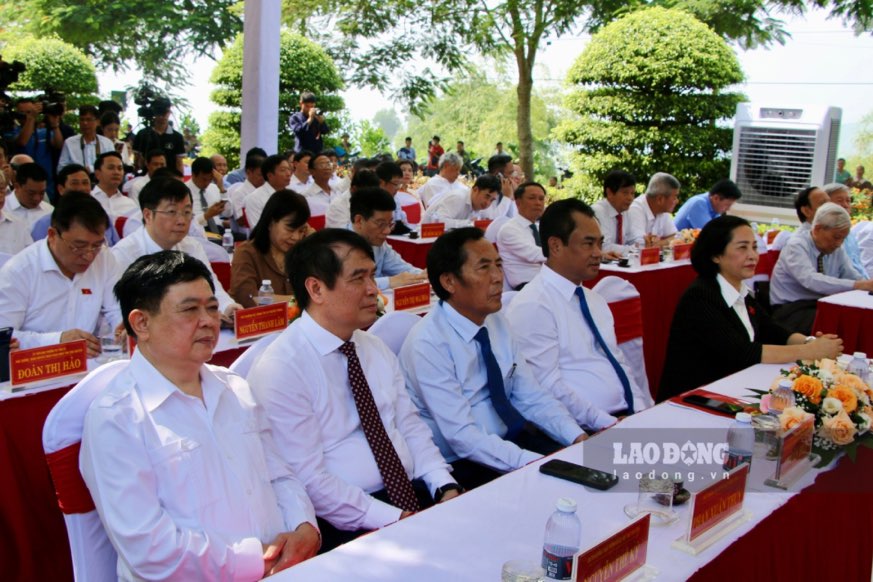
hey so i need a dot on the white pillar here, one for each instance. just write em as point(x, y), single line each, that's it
point(260, 87)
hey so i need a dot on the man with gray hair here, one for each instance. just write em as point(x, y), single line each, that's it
point(445, 181)
point(839, 194)
point(649, 215)
point(813, 265)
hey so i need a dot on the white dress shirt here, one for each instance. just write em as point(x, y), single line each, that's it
point(560, 348)
point(339, 212)
point(74, 152)
point(256, 201)
point(40, 302)
point(302, 382)
point(135, 186)
point(26, 215)
point(139, 244)
point(446, 378)
point(607, 216)
point(643, 221)
point(454, 209)
point(212, 195)
point(736, 300)
point(521, 256)
point(863, 232)
point(318, 199)
point(14, 234)
point(298, 186)
point(436, 187)
point(117, 205)
point(187, 488)
point(237, 194)
point(501, 206)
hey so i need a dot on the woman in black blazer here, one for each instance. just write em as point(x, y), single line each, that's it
point(709, 338)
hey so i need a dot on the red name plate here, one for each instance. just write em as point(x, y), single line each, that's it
point(617, 556)
point(682, 251)
point(651, 256)
point(411, 296)
point(57, 361)
point(717, 502)
point(796, 445)
point(482, 224)
point(432, 229)
point(258, 321)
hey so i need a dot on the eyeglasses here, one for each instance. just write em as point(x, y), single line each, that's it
point(174, 214)
point(384, 225)
point(323, 165)
point(81, 249)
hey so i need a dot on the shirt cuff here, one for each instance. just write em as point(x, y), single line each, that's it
point(528, 457)
point(436, 479)
point(603, 420)
point(249, 559)
point(380, 514)
point(383, 283)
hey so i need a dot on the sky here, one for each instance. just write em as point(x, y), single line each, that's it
point(823, 63)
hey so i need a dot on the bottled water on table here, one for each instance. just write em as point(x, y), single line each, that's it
point(265, 293)
point(227, 241)
point(740, 441)
point(562, 539)
point(782, 397)
point(860, 367)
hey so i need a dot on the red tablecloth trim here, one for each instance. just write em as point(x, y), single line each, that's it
point(73, 494)
point(628, 316)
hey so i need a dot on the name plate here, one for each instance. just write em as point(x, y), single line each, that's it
point(258, 321)
point(682, 251)
point(482, 224)
point(796, 446)
point(432, 229)
point(411, 296)
point(650, 256)
point(617, 556)
point(48, 362)
point(717, 502)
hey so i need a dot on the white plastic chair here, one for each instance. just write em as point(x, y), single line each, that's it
point(623, 299)
point(94, 558)
point(4, 257)
point(392, 328)
point(246, 360)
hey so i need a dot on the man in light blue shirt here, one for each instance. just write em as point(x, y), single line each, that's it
point(467, 376)
point(372, 212)
point(700, 209)
point(840, 195)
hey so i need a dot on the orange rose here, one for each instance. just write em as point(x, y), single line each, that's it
point(852, 381)
point(840, 429)
point(828, 365)
point(845, 395)
point(791, 417)
point(809, 387)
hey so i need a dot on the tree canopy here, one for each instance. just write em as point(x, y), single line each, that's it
point(53, 64)
point(650, 92)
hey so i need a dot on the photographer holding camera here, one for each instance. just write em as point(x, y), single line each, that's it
point(41, 139)
point(308, 125)
point(160, 135)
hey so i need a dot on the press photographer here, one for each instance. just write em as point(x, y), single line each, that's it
point(154, 109)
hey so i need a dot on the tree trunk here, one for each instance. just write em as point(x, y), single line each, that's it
point(522, 118)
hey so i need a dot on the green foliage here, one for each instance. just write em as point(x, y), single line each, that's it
point(370, 139)
point(650, 93)
point(52, 63)
point(303, 66)
point(387, 120)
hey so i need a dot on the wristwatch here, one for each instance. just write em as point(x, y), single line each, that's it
point(441, 491)
point(809, 338)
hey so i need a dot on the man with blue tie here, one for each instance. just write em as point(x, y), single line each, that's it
point(566, 332)
point(467, 376)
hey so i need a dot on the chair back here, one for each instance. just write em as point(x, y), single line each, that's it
point(243, 364)
point(222, 273)
point(413, 213)
point(94, 558)
point(119, 225)
point(317, 222)
point(392, 328)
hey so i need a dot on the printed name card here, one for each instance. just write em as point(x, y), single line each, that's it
point(796, 446)
point(48, 362)
point(717, 502)
point(482, 224)
point(650, 256)
point(432, 229)
point(617, 556)
point(411, 296)
point(682, 251)
point(262, 320)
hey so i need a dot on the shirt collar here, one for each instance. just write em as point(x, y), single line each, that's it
point(522, 220)
point(649, 212)
point(565, 288)
point(4, 217)
point(730, 295)
point(12, 202)
point(46, 261)
point(149, 244)
point(462, 326)
point(98, 190)
point(322, 340)
point(155, 388)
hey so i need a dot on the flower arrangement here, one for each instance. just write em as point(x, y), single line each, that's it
point(685, 236)
point(839, 401)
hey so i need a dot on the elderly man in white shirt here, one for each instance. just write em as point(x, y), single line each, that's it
point(59, 289)
point(566, 332)
point(649, 214)
point(619, 189)
point(27, 202)
point(177, 455)
point(84, 148)
point(518, 240)
point(458, 209)
point(335, 398)
point(277, 174)
point(167, 215)
point(320, 192)
point(446, 181)
point(109, 171)
point(300, 178)
point(14, 234)
point(155, 160)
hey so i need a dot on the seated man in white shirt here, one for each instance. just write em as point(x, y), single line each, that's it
point(518, 241)
point(566, 332)
point(237, 193)
point(277, 174)
point(84, 147)
point(813, 265)
point(109, 171)
point(209, 205)
point(372, 218)
point(178, 458)
point(27, 203)
point(320, 192)
point(335, 397)
point(466, 373)
point(460, 208)
point(651, 224)
point(300, 178)
point(510, 176)
point(155, 160)
point(619, 189)
point(445, 181)
point(14, 235)
point(339, 211)
point(167, 214)
point(71, 178)
point(60, 288)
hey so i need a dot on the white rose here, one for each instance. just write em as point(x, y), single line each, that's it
point(826, 377)
point(864, 425)
point(831, 406)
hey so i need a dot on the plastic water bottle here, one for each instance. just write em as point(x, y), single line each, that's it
point(859, 366)
point(227, 241)
point(740, 441)
point(563, 536)
point(265, 293)
point(782, 397)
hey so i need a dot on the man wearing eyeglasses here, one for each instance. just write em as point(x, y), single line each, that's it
point(57, 289)
point(167, 214)
point(372, 212)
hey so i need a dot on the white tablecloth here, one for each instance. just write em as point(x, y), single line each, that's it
point(855, 298)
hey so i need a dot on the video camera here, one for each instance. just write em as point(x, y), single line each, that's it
point(8, 74)
point(151, 102)
point(53, 102)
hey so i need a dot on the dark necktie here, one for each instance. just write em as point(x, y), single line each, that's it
point(819, 264)
point(394, 477)
point(619, 371)
point(536, 234)
point(619, 235)
point(513, 420)
point(210, 223)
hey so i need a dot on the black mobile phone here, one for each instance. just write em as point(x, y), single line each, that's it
point(721, 406)
point(579, 474)
point(5, 340)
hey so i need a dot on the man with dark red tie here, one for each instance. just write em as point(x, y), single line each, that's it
point(619, 189)
point(336, 401)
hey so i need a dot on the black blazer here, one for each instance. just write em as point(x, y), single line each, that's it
point(708, 341)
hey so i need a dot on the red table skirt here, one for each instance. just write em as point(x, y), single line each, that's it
point(412, 252)
point(852, 324)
